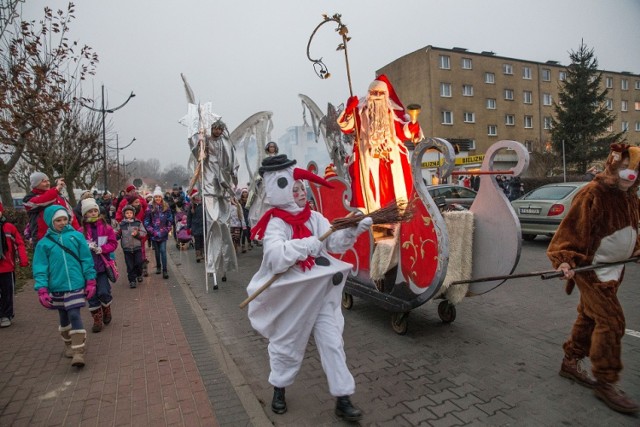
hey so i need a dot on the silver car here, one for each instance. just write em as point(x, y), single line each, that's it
point(540, 211)
point(452, 195)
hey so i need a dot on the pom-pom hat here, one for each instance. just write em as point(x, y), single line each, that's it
point(88, 204)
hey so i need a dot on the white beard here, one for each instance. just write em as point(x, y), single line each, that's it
point(379, 129)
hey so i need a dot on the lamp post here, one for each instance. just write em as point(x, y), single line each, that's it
point(118, 149)
point(103, 110)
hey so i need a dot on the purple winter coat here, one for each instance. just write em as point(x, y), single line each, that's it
point(92, 232)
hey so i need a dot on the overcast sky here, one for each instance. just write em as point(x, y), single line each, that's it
point(250, 56)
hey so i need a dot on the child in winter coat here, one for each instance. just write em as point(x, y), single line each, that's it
point(102, 242)
point(11, 247)
point(159, 222)
point(64, 275)
point(132, 234)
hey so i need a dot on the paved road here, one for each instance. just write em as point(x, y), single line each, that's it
point(497, 364)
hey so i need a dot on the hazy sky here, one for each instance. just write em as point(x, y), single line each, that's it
point(249, 56)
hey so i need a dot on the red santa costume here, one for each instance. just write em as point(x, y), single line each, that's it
point(379, 167)
point(306, 298)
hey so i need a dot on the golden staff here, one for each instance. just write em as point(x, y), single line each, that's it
point(323, 72)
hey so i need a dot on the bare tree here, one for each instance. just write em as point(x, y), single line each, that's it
point(39, 68)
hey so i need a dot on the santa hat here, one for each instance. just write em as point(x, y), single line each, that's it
point(88, 204)
point(194, 193)
point(157, 191)
point(130, 188)
point(382, 82)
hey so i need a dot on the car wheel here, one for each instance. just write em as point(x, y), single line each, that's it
point(528, 237)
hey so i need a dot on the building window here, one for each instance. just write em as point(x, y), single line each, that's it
point(466, 64)
point(609, 104)
point(562, 76)
point(526, 73)
point(509, 119)
point(547, 123)
point(546, 75)
point(609, 82)
point(445, 90)
point(469, 117)
point(467, 90)
point(624, 106)
point(508, 94)
point(507, 69)
point(528, 97)
point(445, 63)
point(447, 118)
point(492, 130)
point(528, 122)
point(546, 99)
point(624, 84)
point(489, 78)
point(637, 105)
point(491, 104)
point(625, 126)
point(637, 84)
point(528, 144)
point(637, 126)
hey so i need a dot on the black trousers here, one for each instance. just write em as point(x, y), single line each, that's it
point(7, 289)
point(134, 262)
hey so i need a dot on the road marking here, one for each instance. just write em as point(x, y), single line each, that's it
point(632, 333)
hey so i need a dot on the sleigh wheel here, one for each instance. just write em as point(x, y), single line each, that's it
point(400, 323)
point(347, 301)
point(447, 311)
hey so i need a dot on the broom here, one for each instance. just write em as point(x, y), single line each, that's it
point(394, 212)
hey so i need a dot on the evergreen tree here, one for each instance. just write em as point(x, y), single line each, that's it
point(582, 118)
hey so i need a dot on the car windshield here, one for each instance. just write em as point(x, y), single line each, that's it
point(550, 193)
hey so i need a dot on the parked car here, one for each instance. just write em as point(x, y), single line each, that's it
point(540, 211)
point(453, 195)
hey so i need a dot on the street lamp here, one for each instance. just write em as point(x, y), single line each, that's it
point(104, 112)
point(118, 149)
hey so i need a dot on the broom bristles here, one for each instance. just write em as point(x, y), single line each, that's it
point(394, 212)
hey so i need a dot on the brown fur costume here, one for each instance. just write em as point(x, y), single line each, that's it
point(601, 226)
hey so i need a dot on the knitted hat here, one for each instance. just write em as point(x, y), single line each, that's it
point(129, 208)
point(194, 193)
point(59, 213)
point(130, 188)
point(36, 178)
point(88, 204)
point(158, 192)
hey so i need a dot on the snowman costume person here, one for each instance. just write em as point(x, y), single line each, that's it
point(306, 298)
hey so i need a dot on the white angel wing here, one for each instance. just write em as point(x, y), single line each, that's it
point(250, 137)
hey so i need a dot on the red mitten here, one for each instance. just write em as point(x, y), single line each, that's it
point(90, 288)
point(44, 297)
point(352, 104)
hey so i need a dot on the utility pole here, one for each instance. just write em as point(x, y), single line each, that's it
point(118, 149)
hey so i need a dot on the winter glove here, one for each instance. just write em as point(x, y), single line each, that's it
point(44, 297)
point(90, 288)
point(97, 250)
point(352, 104)
point(363, 226)
point(314, 245)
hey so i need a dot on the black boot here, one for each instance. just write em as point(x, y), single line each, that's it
point(278, 404)
point(346, 410)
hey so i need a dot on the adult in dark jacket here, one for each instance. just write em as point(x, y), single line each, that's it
point(195, 223)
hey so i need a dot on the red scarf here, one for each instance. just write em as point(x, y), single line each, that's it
point(297, 223)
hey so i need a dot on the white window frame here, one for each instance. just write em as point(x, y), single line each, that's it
point(547, 122)
point(445, 90)
point(509, 120)
point(547, 99)
point(624, 84)
point(467, 90)
point(492, 130)
point(527, 96)
point(637, 126)
point(526, 73)
point(508, 94)
point(491, 104)
point(445, 62)
point(624, 105)
point(562, 76)
point(609, 104)
point(490, 78)
point(609, 82)
point(446, 117)
point(624, 126)
point(546, 75)
point(469, 117)
point(467, 64)
point(637, 105)
point(528, 122)
point(637, 84)
point(507, 69)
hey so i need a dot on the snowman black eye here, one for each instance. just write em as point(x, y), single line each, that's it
point(283, 182)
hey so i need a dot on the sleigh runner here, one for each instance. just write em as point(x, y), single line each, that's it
point(400, 267)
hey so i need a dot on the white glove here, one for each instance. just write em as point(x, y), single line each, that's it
point(363, 226)
point(97, 250)
point(314, 245)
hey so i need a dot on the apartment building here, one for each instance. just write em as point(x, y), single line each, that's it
point(475, 99)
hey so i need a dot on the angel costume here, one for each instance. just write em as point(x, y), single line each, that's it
point(306, 298)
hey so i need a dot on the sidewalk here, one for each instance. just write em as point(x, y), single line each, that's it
point(140, 370)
